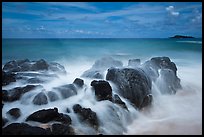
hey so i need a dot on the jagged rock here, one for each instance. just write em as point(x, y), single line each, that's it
point(117, 100)
point(7, 78)
point(14, 112)
point(168, 82)
point(47, 115)
point(103, 90)
point(15, 93)
point(66, 90)
point(79, 82)
point(159, 67)
point(62, 129)
point(40, 99)
point(52, 96)
point(63, 118)
point(134, 62)
point(86, 115)
point(23, 129)
point(133, 84)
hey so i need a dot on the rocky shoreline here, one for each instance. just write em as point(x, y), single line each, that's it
point(134, 83)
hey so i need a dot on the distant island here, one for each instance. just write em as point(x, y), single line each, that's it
point(180, 36)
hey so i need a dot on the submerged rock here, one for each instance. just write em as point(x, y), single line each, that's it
point(86, 115)
point(79, 82)
point(97, 74)
point(16, 93)
point(40, 99)
point(133, 84)
point(117, 100)
point(7, 78)
point(66, 90)
point(103, 90)
point(27, 65)
point(134, 62)
point(106, 62)
point(35, 80)
point(23, 129)
point(56, 67)
point(47, 115)
point(14, 112)
point(52, 96)
point(39, 65)
point(100, 66)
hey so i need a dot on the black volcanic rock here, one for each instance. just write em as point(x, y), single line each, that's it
point(16, 93)
point(23, 129)
point(14, 112)
point(86, 115)
point(103, 90)
point(47, 115)
point(44, 115)
point(62, 129)
point(133, 84)
point(40, 99)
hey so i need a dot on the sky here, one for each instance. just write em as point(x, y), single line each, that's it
point(101, 19)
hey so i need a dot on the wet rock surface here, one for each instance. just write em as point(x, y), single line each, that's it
point(86, 115)
point(40, 99)
point(7, 78)
point(47, 115)
point(132, 84)
point(16, 93)
point(66, 91)
point(103, 90)
point(23, 129)
point(79, 82)
point(14, 112)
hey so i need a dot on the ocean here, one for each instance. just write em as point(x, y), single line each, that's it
point(170, 114)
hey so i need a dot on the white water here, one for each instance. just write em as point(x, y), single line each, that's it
point(180, 114)
point(170, 114)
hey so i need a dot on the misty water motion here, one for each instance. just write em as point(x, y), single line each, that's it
point(115, 113)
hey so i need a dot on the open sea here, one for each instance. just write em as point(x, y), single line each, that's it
point(170, 114)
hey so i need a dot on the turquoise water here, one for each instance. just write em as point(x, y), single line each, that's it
point(91, 49)
point(178, 114)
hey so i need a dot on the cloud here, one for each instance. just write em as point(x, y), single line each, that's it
point(172, 11)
